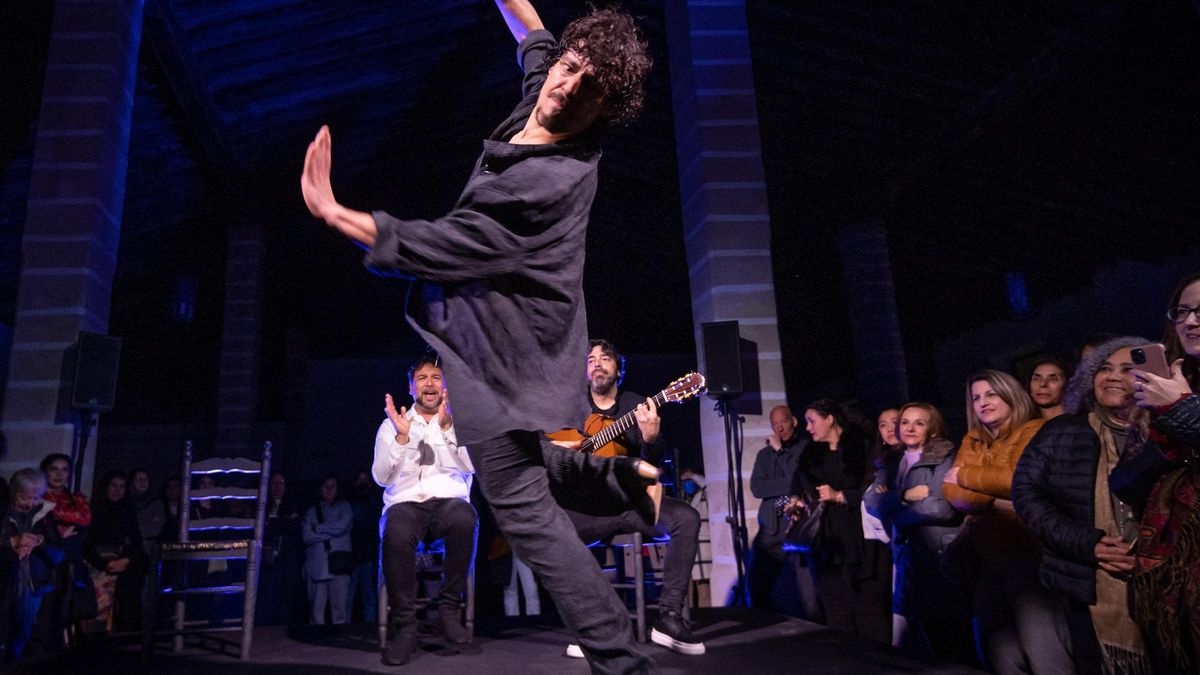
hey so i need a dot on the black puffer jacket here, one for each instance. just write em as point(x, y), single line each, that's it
point(1053, 491)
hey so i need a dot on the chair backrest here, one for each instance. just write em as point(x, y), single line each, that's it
point(224, 494)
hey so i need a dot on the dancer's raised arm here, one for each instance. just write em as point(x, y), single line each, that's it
point(520, 16)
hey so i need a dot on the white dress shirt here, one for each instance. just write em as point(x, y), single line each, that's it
point(431, 465)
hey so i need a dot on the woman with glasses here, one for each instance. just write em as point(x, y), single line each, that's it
point(1161, 480)
point(1020, 627)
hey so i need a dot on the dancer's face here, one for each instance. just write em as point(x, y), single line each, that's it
point(427, 388)
point(570, 100)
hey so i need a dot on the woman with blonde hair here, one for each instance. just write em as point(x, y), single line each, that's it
point(1020, 627)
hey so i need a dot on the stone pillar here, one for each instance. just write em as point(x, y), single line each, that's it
point(73, 220)
point(727, 233)
point(241, 338)
point(878, 343)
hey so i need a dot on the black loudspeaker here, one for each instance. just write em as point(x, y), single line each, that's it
point(96, 360)
point(722, 358)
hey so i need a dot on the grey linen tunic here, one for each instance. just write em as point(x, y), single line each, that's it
point(500, 277)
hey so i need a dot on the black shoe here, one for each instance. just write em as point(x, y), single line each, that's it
point(672, 631)
point(452, 628)
point(403, 644)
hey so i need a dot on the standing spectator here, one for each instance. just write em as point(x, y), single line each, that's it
point(1046, 385)
point(1020, 626)
point(771, 480)
point(853, 574)
point(367, 503)
point(114, 549)
point(887, 426)
point(279, 578)
point(521, 581)
point(30, 549)
point(907, 497)
point(1061, 493)
point(151, 518)
point(73, 597)
point(326, 528)
point(1162, 482)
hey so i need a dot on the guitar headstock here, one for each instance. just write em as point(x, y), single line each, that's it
point(684, 388)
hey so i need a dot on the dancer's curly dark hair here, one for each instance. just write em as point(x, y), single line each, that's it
point(613, 45)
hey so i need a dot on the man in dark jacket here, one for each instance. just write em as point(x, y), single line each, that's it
point(771, 480)
point(501, 283)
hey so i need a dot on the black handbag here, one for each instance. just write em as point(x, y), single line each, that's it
point(340, 563)
point(805, 528)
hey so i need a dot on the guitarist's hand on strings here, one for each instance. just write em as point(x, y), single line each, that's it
point(648, 421)
point(398, 419)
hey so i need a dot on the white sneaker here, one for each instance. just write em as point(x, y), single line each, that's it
point(574, 652)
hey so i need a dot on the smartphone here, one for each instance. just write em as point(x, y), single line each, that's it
point(1152, 358)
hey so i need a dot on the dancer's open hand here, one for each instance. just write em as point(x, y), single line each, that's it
point(314, 181)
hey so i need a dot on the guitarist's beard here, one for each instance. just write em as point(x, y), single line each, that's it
point(602, 383)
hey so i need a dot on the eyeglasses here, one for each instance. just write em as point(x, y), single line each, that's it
point(1179, 313)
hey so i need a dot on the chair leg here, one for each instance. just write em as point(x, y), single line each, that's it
point(381, 613)
point(470, 613)
point(639, 577)
point(249, 600)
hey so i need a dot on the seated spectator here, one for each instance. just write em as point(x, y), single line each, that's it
point(164, 509)
point(853, 574)
point(1046, 384)
point(907, 497)
point(114, 550)
point(1018, 623)
point(1061, 493)
point(426, 476)
point(1161, 481)
point(150, 518)
point(30, 550)
point(325, 528)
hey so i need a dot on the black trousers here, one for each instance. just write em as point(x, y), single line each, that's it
point(407, 524)
point(766, 563)
point(512, 474)
point(677, 519)
point(859, 603)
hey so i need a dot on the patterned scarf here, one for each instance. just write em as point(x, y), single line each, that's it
point(1120, 638)
point(1166, 582)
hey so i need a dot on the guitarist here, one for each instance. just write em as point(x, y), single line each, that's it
point(605, 368)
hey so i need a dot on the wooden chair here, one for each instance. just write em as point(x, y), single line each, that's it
point(236, 538)
point(429, 567)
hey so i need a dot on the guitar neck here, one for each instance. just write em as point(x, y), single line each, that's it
point(623, 424)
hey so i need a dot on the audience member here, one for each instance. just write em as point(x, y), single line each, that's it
point(771, 481)
point(853, 574)
point(72, 599)
point(30, 550)
point(279, 578)
point(113, 548)
point(522, 582)
point(366, 500)
point(907, 497)
point(1162, 482)
point(1020, 627)
point(325, 530)
point(151, 518)
point(1061, 493)
point(1046, 384)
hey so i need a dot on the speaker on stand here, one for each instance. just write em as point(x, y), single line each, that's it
point(93, 388)
point(723, 375)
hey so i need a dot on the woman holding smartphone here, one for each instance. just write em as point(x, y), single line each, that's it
point(1019, 626)
point(1162, 482)
point(1061, 493)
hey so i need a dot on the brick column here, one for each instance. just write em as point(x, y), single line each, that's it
point(727, 232)
point(73, 220)
point(237, 391)
point(878, 344)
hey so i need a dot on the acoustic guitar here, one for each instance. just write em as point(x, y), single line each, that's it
point(605, 436)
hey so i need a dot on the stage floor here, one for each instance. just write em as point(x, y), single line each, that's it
point(738, 641)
